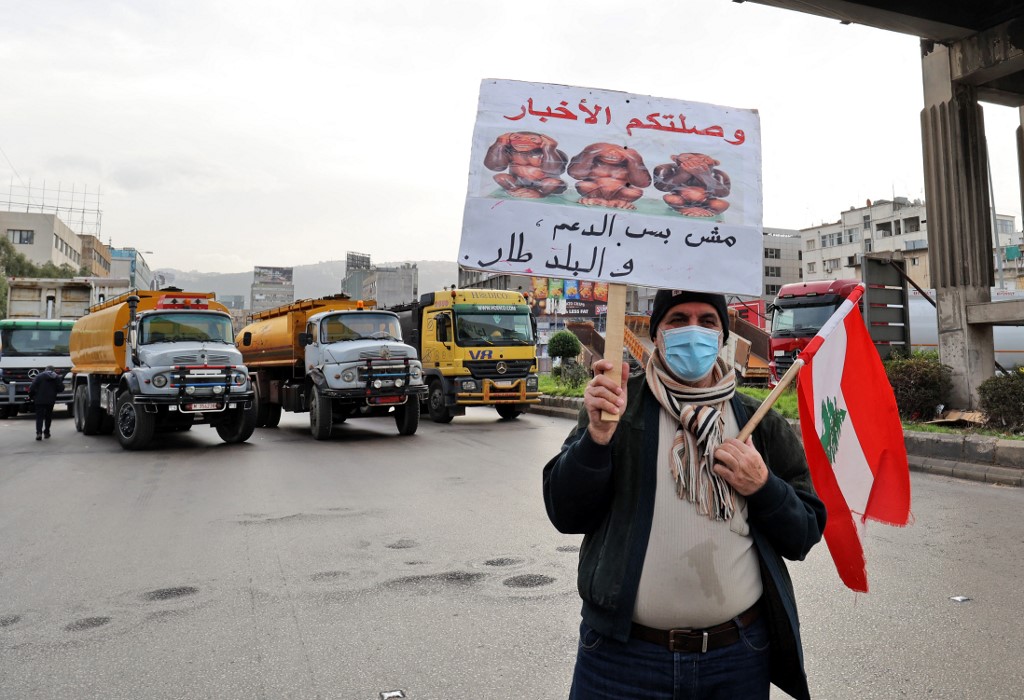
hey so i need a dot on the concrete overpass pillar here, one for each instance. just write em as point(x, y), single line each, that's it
point(1020, 158)
point(959, 222)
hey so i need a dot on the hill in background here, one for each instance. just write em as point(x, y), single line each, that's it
point(311, 281)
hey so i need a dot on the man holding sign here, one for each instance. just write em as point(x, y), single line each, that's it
point(685, 527)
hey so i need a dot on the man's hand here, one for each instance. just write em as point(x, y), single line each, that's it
point(741, 465)
point(603, 395)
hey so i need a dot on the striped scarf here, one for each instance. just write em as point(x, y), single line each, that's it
point(700, 432)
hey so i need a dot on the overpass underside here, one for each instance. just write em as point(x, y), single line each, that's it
point(970, 52)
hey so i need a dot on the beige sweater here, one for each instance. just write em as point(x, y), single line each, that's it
point(697, 572)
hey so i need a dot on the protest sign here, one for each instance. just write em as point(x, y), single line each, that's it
point(579, 183)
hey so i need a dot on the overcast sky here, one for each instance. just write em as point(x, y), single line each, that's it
point(224, 134)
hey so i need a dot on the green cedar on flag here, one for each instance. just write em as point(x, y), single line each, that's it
point(853, 437)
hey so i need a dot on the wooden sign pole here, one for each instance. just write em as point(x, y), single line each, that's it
point(614, 331)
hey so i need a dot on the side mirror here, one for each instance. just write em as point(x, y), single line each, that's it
point(247, 338)
point(305, 339)
point(118, 338)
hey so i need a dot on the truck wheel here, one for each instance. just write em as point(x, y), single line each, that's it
point(407, 416)
point(439, 413)
point(320, 418)
point(508, 411)
point(87, 418)
point(273, 416)
point(239, 427)
point(133, 425)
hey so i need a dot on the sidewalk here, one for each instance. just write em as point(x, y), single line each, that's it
point(972, 457)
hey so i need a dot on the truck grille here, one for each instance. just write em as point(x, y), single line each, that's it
point(385, 371)
point(20, 374)
point(783, 363)
point(488, 369)
point(202, 379)
point(211, 358)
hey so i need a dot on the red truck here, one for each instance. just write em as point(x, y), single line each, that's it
point(798, 313)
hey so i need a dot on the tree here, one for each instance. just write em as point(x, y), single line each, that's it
point(565, 345)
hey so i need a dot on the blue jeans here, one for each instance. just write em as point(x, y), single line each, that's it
point(606, 668)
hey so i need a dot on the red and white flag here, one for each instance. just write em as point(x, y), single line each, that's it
point(852, 436)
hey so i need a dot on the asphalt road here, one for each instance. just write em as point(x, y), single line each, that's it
point(373, 563)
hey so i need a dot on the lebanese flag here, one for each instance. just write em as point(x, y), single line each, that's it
point(852, 436)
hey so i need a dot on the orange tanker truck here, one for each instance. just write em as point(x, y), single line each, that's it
point(152, 360)
point(336, 358)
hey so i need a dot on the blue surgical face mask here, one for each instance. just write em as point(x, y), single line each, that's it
point(690, 351)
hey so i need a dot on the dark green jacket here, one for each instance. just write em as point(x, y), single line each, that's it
point(606, 493)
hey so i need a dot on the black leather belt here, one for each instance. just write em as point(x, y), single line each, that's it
point(697, 640)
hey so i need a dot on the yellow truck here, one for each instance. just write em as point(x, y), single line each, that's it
point(157, 360)
point(478, 348)
point(336, 358)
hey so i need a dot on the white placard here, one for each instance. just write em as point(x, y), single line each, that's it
point(606, 186)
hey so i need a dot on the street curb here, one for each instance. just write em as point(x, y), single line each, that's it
point(971, 457)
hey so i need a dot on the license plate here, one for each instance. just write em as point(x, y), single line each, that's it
point(503, 385)
point(202, 406)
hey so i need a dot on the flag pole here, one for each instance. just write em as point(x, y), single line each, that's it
point(770, 400)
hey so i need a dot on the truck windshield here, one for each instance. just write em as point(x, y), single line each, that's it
point(359, 325)
point(34, 342)
point(184, 326)
point(798, 321)
point(493, 329)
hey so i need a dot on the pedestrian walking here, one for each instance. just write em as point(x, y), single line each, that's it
point(685, 593)
point(43, 393)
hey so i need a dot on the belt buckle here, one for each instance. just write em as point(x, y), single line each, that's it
point(683, 635)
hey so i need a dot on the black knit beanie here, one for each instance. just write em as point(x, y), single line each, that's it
point(665, 299)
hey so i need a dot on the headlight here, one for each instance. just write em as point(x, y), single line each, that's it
point(399, 382)
point(239, 378)
point(190, 390)
point(160, 381)
point(468, 385)
point(348, 376)
point(218, 389)
point(531, 383)
point(415, 372)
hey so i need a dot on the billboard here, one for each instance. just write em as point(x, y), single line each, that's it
point(558, 297)
point(272, 275)
point(585, 184)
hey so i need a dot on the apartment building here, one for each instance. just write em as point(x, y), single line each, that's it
point(42, 238)
point(836, 250)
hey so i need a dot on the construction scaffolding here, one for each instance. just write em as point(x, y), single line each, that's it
point(78, 207)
